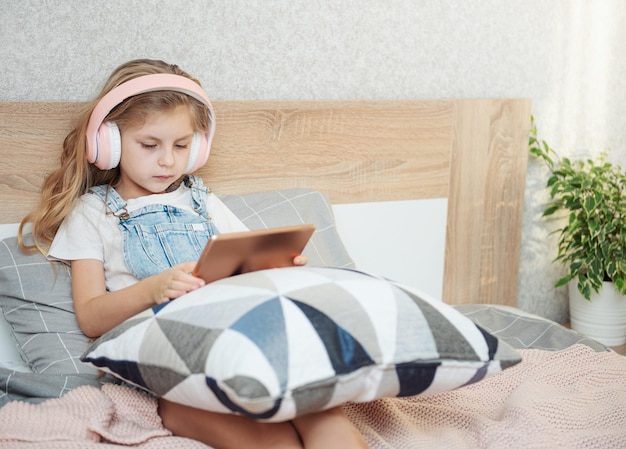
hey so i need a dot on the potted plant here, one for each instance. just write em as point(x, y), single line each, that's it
point(589, 196)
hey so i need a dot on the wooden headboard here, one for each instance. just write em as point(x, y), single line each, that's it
point(472, 151)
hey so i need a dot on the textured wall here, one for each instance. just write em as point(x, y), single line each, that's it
point(566, 55)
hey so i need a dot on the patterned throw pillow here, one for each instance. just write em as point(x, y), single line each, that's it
point(278, 343)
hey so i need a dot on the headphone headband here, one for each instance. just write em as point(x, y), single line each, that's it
point(136, 86)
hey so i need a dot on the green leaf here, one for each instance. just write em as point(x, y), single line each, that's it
point(589, 204)
point(563, 281)
point(551, 209)
point(620, 285)
point(584, 289)
point(574, 266)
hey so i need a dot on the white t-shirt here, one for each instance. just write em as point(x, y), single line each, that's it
point(89, 232)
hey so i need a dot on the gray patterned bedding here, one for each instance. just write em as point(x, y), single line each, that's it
point(524, 330)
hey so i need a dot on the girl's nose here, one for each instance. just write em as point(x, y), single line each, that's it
point(167, 157)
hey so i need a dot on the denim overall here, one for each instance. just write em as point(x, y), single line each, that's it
point(158, 236)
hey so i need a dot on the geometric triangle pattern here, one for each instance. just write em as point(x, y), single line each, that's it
point(279, 343)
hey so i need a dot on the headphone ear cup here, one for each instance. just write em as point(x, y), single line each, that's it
point(109, 146)
point(199, 152)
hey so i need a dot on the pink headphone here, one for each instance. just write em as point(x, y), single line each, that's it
point(104, 146)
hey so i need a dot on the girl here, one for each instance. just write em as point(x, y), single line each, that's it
point(123, 182)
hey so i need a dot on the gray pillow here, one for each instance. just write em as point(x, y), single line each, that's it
point(36, 298)
point(295, 206)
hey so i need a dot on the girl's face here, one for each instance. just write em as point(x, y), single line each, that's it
point(155, 154)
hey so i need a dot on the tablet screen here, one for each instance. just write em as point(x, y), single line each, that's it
point(240, 252)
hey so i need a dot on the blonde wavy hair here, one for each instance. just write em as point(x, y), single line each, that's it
point(75, 175)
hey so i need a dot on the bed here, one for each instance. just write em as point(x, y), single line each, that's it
point(285, 162)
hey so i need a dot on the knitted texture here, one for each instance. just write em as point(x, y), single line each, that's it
point(574, 398)
point(89, 417)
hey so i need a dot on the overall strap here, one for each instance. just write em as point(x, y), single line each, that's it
point(115, 203)
point(199, 194)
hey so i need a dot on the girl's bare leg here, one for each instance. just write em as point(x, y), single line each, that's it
point(223, 431)
point(330, 429)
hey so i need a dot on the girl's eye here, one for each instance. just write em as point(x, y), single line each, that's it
point(148, 146)
point(182, 146)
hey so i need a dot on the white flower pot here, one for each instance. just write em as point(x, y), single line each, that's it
point(602, 318)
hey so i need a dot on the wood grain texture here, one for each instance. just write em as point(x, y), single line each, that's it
point(473, 152)
point(486, 200)
point(352, 151)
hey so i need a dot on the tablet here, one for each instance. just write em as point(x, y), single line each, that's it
point(240, 252)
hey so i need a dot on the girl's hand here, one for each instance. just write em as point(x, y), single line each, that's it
point(99, 311)
point(175, 282)
point(300, 260)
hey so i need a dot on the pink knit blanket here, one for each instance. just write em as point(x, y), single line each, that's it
point(88, 417)
point(574, 398)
